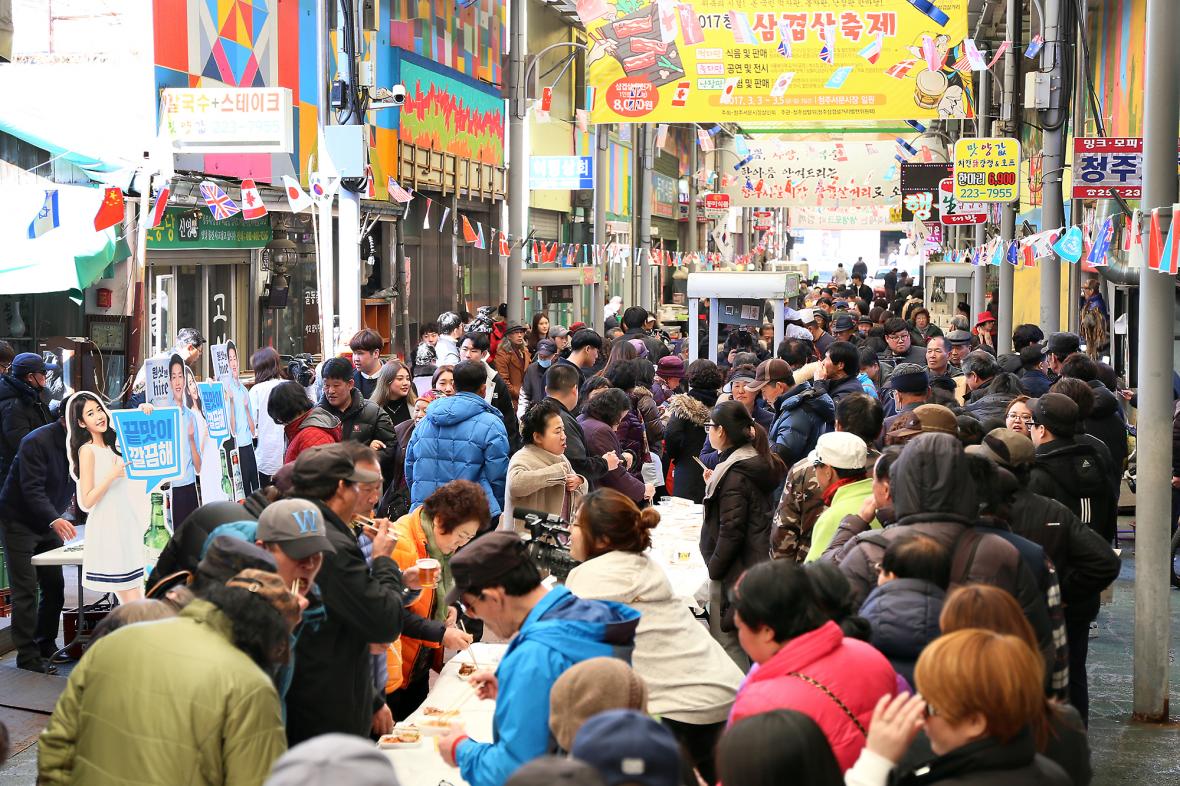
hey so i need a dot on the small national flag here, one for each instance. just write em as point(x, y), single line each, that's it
point(469, 235)
point(838, 78)
point(1012, 254)
point(680, 97)
point(1029, 256)
point(784, 44)
point(161, 203)
point(1004, 47)
point(997, 254)
point(975, 258)
point(742, 32)
point(661, 135)
point(782, 83)
point(546, 98)
point(296, 197)
point(443, 220)
point(479, 241)
point(1170, 259)
point(931, 54)
point(828, 52)
point(705, 139)
point(47, 218)
point(426, 213)
point(550, 253)
point(873, 51)
point(973, 55)
point(218, 202)
point(1034, 46)
point(1155, 242)
point(505, 249)
point(252, 207)
point(1097, 255)
point(370, 184)
point(110, 212)
point(397, 193)
point(729, 89)
point(901, 70)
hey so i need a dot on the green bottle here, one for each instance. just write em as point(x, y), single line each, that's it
point(156, 537)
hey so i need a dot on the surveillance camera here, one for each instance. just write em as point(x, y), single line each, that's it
point(398, 94)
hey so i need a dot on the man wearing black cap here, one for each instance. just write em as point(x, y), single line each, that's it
point(332, 690)
point(801, 413)
point(551, 630)
point(532, 388)
point(1033, 379)
point(512, 359)
point(960, 347)
point(635, 321)
point(24, 404)
point(911, 389)
point(844, 327)
point(1061, 346)
point(1073, 472)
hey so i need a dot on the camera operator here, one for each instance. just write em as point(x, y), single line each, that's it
point(548, 536)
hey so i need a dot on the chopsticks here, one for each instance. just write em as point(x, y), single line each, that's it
point(470, 651)
point(698, 461)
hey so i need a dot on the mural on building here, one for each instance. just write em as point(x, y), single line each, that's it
point(450, 113)
point(618, 206)
point(468, 39)
point(1117, 44)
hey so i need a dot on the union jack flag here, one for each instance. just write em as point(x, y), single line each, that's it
point(218, 202)
point(828, 52)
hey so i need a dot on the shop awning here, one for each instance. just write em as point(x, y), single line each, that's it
point(68, 258)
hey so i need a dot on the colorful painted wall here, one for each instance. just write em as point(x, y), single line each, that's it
point(1117, 44)
point(469, 40)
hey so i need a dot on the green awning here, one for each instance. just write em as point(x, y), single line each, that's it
point(69, 257)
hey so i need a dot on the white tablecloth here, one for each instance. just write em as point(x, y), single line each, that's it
point(69, 554)
point(421, 765)
point(676, 546)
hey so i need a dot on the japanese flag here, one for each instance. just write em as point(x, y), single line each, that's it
point(296, 196)
point(729, 89)
point(252, 207)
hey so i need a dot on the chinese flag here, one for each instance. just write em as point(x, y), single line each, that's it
point(110, 212)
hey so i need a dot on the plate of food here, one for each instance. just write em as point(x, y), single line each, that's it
point(407, 736)
point(437, 722)
point(466, 670)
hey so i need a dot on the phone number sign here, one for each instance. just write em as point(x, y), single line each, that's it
point(987, 170)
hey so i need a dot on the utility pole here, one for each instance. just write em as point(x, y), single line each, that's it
point(1157, 292)
point(1055, 59)
point(692, 238)
point(647, 159)
point(1010, 117)
point(982, 129)
point(1078, 126)
point(403, 289)
point(349, 212)
point(518, 195)
point(326, 252)
point(601, 196)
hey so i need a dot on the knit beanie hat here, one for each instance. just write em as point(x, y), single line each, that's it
point(591, 687)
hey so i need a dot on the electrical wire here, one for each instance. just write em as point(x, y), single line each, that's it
point(356, 100)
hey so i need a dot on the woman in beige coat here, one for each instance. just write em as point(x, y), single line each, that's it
point(540, 477)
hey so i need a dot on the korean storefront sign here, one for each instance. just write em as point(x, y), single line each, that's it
point(187, 228)
point(762, 220)
point(561, 173)
point(228, 119)
point(953, 213)
point(717, 205)
point(664, 195)
point(1105, 164)
point(750, 60)
point(816, 174)
point(987, 170)
point(919, 190)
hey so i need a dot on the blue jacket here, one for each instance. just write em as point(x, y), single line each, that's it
point(904, 615)
point(1035, 383)
point(560, 631)
point(803, 414)
point(462, 436)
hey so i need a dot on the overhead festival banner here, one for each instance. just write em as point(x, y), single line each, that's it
point(717, 61)
point(881, 218)
point(779, 173)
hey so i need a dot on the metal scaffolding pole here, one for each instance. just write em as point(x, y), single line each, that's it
point(1157, 300)
point(982, 129)
point(1010, 117)
point(518, 194)
point(1054, 59)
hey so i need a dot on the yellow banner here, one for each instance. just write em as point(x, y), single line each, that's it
point(987, 170)
point(712, 61)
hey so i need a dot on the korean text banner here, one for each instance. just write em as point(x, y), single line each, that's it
point(779, 173)
point(213, 404)
point(150, 444)
point(845, 218)
point(789, 60)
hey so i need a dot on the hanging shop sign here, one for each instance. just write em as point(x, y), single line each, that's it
point(881, 218)
point(664, 196)
point(192, 229)
point(987, 170)
point(783, 173)
point(228, 119)
point(953, 213)
point(716, 205)
point(561, 173)
point(749, 60)
point(919, 190)
point(762, 220)
point(1105, 164)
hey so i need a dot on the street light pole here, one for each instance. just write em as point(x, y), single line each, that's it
point(1054, 59)
point(1010, 115)
point(1157, 299)
point(518, 195)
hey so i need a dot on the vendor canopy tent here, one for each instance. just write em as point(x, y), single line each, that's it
point(67, 258)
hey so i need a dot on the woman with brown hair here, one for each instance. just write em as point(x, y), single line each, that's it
point(690, 679)
point(269, 373)
point(395, 391)
point(448, 520)
point(540, 330)
point(983, 692)
point(1018, 416)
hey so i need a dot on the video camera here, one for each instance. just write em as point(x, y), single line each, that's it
point(548, 538)
point(301, 367)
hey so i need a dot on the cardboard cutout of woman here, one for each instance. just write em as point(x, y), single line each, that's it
point(244, 429)
point(184, 488)
point(113, 557)
point(209, 474)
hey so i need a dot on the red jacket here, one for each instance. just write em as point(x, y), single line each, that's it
point(314, 427)
point(852, 670)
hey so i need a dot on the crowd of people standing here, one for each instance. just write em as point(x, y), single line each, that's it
point(905, 535)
